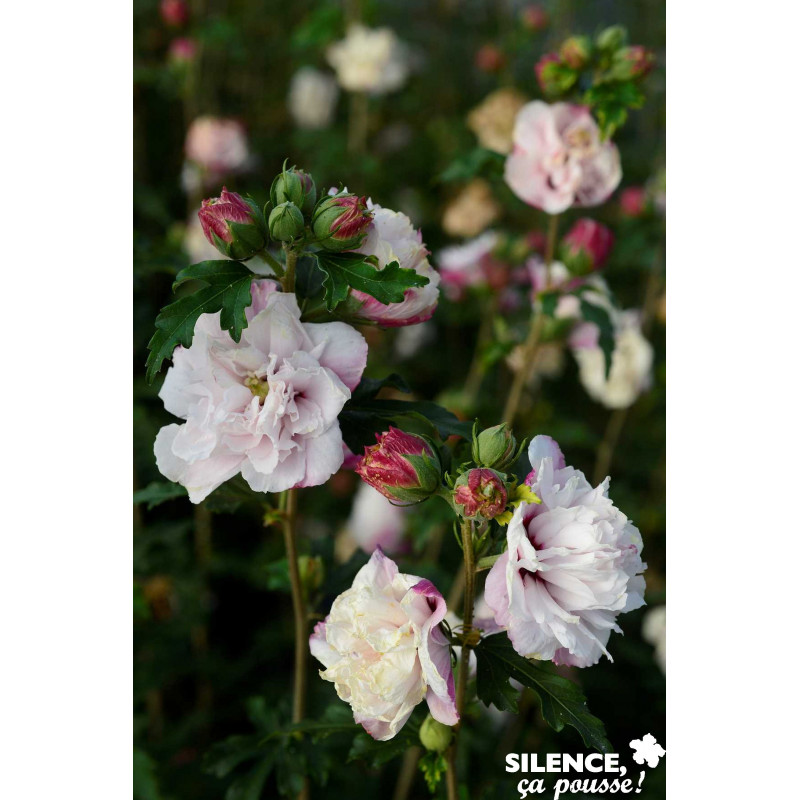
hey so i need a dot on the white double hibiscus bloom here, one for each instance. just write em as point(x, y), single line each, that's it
point(573, 565)
point(267, 406)
point(382, 647)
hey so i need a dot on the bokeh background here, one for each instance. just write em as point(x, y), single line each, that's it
point(212, 621)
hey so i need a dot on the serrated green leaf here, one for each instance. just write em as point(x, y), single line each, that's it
point(158, 492)
point(344, 271)
point(562, 701)
point(223, 757)
point(227, 290)
point(600, 317)
point(250, 787)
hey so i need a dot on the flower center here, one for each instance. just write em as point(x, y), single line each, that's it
point(259, 387)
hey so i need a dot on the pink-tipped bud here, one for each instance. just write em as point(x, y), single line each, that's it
point(233, 225)
point(534, 18)
point(586, 247)
point(480, 493)
point(401, 466)
point(554, 77)
point(490, 59)
point(182, 50)
point(174, 12)
point(633, 201)
point(340, 222)
point(632, 62)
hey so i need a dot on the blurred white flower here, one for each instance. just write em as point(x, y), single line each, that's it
point(375, 522)
point(369, 60)
point(654, 630)
point(216, 144)
point(411, 339)
point(631, 364)
point(312, 98)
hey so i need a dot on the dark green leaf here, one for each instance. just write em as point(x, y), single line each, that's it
point(361, 421)
point(227, 290)
point(223, 757)
point(158, 492)
point(145, 784)
point(250, 787)
point(562, 701)
point(549, 302)
point(600, 317)
point(472, 164)
point(344, 271)
point(369, 387)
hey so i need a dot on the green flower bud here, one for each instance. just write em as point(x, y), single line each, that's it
point(495, 447)
point(434, 735)
point(612, 38)
point(286, 222)
point(576, 51)
point(294, 186)
point(312, 572)
point(234, 226)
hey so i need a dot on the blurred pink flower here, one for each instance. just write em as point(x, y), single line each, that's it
point(633, 201)
point(265, 407)
point(589, 242)
point(573, 565)
point(462, 265)
point(534, 17)
point(392, 237)
point(383, 649)
point(558, 158)
point(218, 145)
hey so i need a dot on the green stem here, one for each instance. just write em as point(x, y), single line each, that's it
point(291, 263)
point(463, 661)
point(534, 333)
point(358, 123)
point(268, 258)
point(288, 504)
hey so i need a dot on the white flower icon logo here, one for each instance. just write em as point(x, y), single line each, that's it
point(647, 749)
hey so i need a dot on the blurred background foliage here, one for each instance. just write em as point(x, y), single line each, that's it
point(213, 616)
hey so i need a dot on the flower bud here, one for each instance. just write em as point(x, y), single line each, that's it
point(312, 572)
point(633, 201)
point(490, 59)
point(576, 51)
point(480, 493)
point(632, 62)
point(182, 50)
point(340, 222)
point(401, 466)
point(586, 247)
point(174, 12)
point(534, 18)
point(234, 226)
point(554, 77)
point(611, 39)
point(286, 222)
point(434, 735)
point(294, 186)
point(495, 447)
